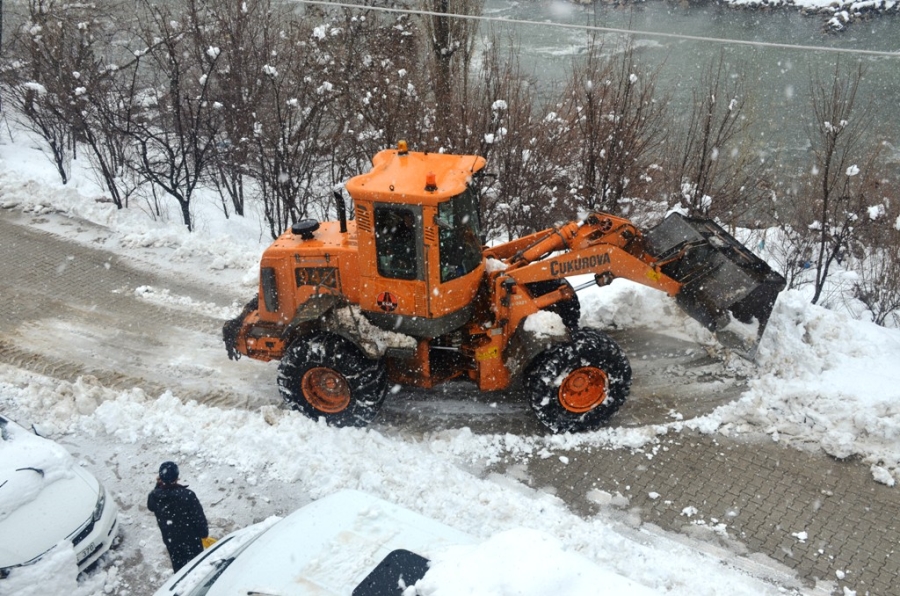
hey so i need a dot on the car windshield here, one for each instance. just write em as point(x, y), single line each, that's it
point(213, 563)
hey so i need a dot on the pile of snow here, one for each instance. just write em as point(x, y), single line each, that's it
point(282, 459)
point(826, 380)
point(56, 573)
point(545, 324)
point(495, 567)
point(624, 304)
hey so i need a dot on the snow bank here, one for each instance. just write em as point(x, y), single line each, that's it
point(624, 304)
point(279, 452)
point(823, 379)
point(57, 573)
point(843, 11)
point(228, 249)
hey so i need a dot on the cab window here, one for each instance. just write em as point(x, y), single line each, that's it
point(395, 242)
point(270, 288)
point(460, 231)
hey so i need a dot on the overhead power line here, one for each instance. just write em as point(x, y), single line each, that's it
point(739, 42)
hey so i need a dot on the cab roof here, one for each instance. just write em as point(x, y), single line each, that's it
point(399, 176)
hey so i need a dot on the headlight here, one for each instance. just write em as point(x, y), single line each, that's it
point(101, 503)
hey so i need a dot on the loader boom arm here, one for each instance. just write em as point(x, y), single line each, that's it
point(714, 278)
point(603, 245)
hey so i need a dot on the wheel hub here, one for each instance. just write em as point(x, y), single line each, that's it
point(326, 390)
point(583, 389)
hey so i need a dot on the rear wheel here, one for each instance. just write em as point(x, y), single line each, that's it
point(324, 375)
point(577, 385)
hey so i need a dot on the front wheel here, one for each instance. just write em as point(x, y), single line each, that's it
point(324, 375)
point(577, 385)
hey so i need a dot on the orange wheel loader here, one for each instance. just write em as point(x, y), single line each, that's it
point(406, 293)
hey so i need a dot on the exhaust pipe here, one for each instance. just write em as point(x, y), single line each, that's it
point(341, 209)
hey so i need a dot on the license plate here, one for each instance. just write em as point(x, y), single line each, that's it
point(86, 551)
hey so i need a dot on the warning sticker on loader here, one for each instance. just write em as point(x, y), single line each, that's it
point(490, 353)
point(386, 302)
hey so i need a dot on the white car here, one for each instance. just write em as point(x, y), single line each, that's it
point(45, 498)
point(354, 544)
point(342, 543)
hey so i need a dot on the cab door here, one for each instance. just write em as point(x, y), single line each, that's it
point(395, 295)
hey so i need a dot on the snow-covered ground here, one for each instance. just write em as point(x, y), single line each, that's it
point(843, 11)
point(821, 380)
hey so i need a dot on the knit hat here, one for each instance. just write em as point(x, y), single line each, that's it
point(168, 472)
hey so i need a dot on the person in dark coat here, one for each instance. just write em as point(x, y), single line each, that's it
point(179, 515)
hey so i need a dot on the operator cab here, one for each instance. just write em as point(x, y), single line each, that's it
point(420, 254)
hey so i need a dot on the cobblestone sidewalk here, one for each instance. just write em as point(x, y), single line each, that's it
point(825, 519)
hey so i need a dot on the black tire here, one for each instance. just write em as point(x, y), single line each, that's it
point(231, 329)
point(577, 385)
point(326, 376)
point(568, 310)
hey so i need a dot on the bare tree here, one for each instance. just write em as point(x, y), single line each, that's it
point(523, 147)
point(103, 108)
point(452, 46)
point(246, 34)
point(711, 168)
point(68, 89)
point(104, 118)
point(844, 170)
point(290, 126)
point(381, 88)
point(54, 49)
point(616, 125)
point(178, 120)
point(876, 257)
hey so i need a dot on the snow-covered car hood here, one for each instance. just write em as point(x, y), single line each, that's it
point(44, 496)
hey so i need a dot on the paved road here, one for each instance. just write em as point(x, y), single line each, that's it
point(70, 310)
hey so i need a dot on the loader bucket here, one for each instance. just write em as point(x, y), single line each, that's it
point(725, 287)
